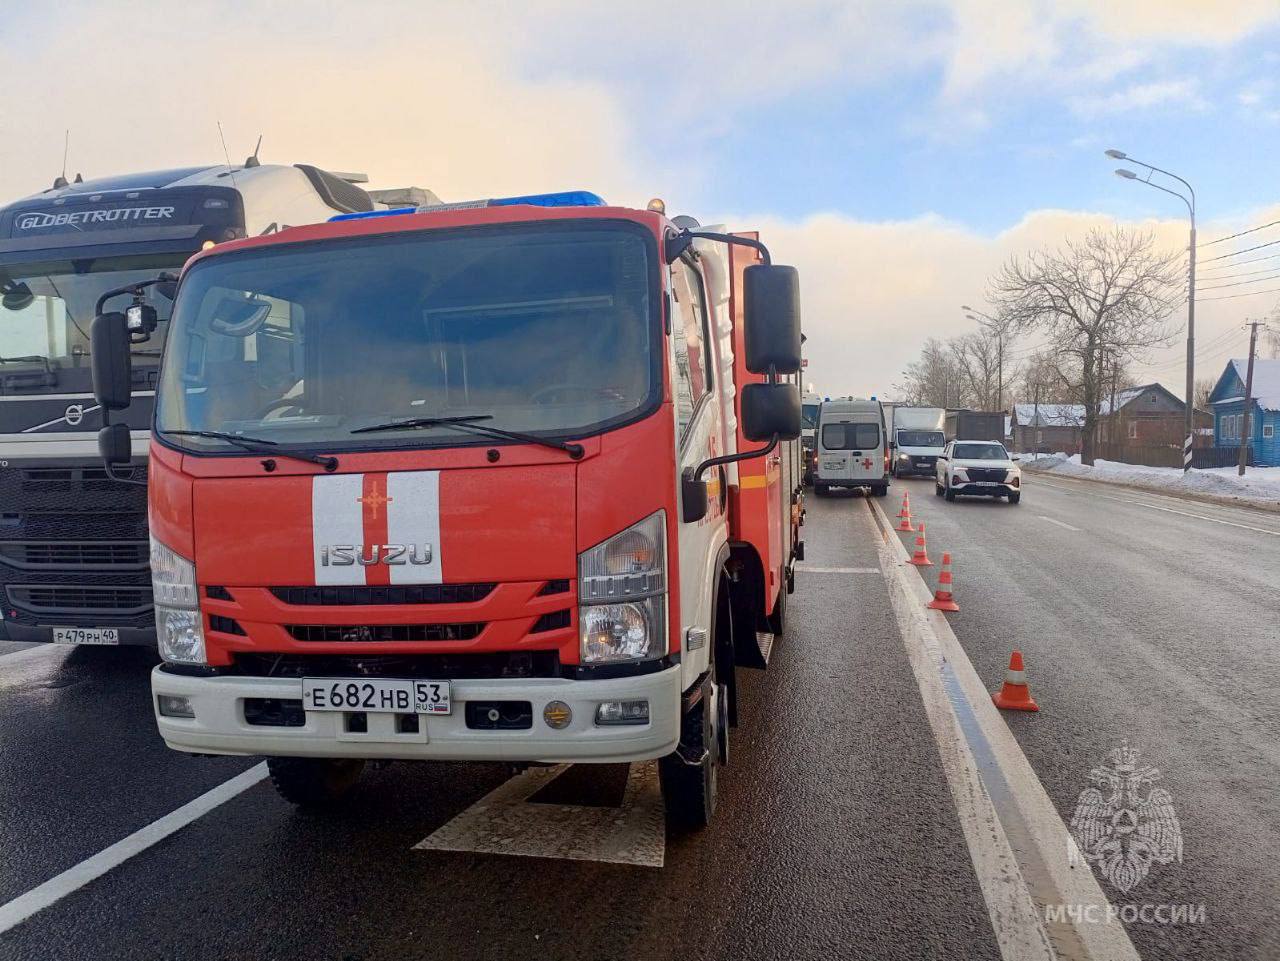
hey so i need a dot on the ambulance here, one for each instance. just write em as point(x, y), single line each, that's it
point(512, 480)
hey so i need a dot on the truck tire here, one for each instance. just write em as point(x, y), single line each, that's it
point(950, 492)
point(937, 488)
point(313, 782)
point(880, 490)
point(690, 774)
point(1015, 498)
point(819, 490)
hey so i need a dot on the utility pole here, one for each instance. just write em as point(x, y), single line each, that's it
point(1191, 350)
point(1111, 425)
point(1035, 420)
point(1246, 433)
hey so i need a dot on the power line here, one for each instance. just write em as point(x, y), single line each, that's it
point(1243, 273)
point(1250, 293)
point(1244, 251)
point(1241, 283)
point(1241, 263)
point(1251, 230)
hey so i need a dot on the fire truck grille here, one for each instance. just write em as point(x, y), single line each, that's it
point(87, 555)
point(59, 599)
point(373, 633)
point(497, 664)
point(407, 594)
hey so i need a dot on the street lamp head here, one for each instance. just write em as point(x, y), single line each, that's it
point(1117, 155)
point(1126, 174)
point(965, 307)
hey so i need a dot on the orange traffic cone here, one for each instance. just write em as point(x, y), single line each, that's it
point(1014, 695)
point(904, 522)
point(942, 598)
point(921, 558)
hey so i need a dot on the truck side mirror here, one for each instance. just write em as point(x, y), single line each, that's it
point(115, 446)
point(109, 344)
point(693, 497)
point(769, 409)
point(771, 300)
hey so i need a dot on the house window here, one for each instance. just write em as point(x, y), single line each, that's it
point(1268, 431)
point(1133, 430)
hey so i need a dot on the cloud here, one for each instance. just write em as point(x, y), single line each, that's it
point(1183, 94)
point(872, 292)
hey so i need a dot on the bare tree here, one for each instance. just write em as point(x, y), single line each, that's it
point(1100, 301)
point(1204, 387)
point(933, 380)
point(976, 360)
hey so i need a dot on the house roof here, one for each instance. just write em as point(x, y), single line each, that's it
point(1266, 380)
point(1050, 415)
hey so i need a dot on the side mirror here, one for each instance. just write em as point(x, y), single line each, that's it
point(769, 409)
point(109, 342)
point(693, 497)
point(1015, 458)
point(771, 304)
point(115, 447)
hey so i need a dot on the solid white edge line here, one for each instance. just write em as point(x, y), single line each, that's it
point(1053, 520)
point(56, 888)
point(1014, 917)
point(1102, 940)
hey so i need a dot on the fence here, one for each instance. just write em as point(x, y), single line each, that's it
point(1169, 456)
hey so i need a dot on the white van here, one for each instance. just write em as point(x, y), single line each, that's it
point(852, 448)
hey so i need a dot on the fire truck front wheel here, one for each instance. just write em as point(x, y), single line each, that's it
point(690, 774)
point(313, 782)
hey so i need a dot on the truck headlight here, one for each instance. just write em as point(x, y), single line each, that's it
point(622, 591)
point(960, 474)
point(904, 457)
point(179, 626)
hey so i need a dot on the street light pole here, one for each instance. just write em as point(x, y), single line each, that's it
point(1189, 432)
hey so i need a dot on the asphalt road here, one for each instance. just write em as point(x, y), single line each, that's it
point(835, 835)
point(1152, 620)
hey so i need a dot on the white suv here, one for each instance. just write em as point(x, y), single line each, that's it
point(980, 467)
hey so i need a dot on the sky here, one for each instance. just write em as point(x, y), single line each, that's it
point(896, 153)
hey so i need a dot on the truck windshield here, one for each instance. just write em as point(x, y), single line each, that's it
point(920, 438)
point(810, 413)
point(46, 310)
point(543, 329)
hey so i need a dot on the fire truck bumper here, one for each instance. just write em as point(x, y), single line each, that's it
point(220, 725)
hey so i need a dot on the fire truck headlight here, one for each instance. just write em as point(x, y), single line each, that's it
point(179, 627)
point(624, 632)
point(622, 590)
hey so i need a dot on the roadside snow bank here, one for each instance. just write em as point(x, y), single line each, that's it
point(1260, 485)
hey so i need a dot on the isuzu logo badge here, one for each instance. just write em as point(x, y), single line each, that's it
point(346, 555)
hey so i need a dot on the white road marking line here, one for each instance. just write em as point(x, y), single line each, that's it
point(90, 869)
point(998, 796)
point(806, 569)
point(1168, 510)
point(1052, 520)
point(505, 822)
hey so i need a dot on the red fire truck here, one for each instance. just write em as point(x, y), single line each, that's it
point(512, 480)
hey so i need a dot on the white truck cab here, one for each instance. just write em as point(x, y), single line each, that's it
point(852, 447)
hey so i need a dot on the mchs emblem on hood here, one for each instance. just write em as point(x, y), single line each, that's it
point(346, 555)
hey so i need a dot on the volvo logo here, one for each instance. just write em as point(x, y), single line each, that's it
point(345, 555)
point(74, 414)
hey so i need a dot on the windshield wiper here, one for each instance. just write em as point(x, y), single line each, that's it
point(468, 423)
point(259, 445)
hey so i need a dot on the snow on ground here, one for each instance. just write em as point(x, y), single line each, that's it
point(1260, 485)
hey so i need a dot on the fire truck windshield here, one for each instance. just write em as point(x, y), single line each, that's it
point(46, 310)
point(547, 329)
